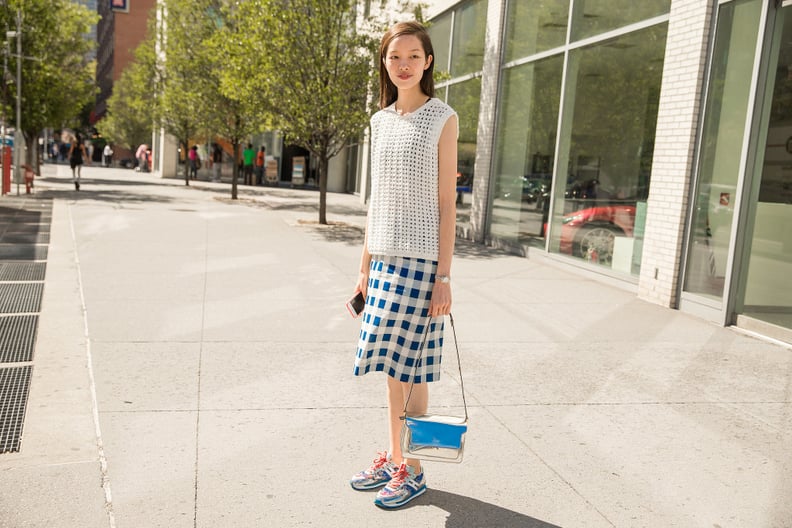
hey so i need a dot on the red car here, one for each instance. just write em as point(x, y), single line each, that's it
point(589, 233)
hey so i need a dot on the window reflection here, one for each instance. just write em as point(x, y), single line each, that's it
point(721, 147)
point(768, 294)
point(592, 17)
point(525, 148)
point(606, 147)
point(464, 98)
point(440, 32)
point(470, 26)
point(532, 27)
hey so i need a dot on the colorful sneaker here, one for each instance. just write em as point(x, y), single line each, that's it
point(403, 487)
point(378, 474)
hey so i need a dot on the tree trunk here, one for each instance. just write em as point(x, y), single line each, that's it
point(31, 156)
point(323, 165)
point(235, 171)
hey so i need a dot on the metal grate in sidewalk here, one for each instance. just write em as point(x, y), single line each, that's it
point(14, 228)
point(22, 271)
point(14, 391)
point(21, 297)
point(25, 238)
point(22, 252)
point(17, 338)
point(24, 248)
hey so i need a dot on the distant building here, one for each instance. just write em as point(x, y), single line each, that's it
point(121, 28)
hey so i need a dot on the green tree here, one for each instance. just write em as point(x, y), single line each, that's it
point(310, 70)
point(132, 108)
point(185, 83)
point(57, 79)
point(231, 110)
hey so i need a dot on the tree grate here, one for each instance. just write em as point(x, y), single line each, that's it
point(21, 297)
point(17, 338)
point(22, 271)
point(14, 390)
point(23, 252)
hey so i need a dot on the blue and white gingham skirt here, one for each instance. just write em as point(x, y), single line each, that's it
point(395, 321)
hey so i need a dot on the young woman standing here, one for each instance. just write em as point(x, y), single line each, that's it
point(405, 267)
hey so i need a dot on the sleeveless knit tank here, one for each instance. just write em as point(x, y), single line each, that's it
point(404, 212)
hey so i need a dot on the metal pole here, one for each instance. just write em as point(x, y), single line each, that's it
point(3, 126)
point(19, 135)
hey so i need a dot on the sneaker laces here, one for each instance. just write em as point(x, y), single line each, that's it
point(399, 477)
point(381, 460)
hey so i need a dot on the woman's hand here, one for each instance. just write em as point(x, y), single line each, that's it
point(441, 300)
point(362, 284)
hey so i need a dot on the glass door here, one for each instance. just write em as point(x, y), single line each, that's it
point(721, 152)
point(765, 292)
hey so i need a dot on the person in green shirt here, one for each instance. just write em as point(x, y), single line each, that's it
point(249, 155)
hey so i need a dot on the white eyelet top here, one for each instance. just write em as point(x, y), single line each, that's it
point(404, 212)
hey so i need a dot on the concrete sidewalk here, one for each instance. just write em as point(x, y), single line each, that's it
point(194, 368)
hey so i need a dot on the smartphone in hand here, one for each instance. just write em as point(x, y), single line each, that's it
point(356, 304)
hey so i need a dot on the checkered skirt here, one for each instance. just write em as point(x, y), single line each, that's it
point(395, 321)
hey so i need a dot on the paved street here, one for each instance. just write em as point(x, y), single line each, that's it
point(193, 368)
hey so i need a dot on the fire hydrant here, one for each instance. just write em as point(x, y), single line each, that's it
point(29, 175)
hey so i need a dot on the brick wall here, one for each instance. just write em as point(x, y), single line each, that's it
point(130, 29)
point(673, 162)
point(486, 122)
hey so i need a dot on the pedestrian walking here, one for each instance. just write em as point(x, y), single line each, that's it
point(217, 160)
point(261, 160)
point(107, 155)
point(140, 155)
point(248, 155)
point(405, 266)
point(194, 162)
point(77, 155)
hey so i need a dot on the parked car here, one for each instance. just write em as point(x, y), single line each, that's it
point(590, 233)
point(532, 191)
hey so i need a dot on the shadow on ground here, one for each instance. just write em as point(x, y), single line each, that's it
point(342, 232)
point(99, 191)
point(465, 512)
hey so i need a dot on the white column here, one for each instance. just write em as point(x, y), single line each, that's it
point(675, 140)
point(486, 122)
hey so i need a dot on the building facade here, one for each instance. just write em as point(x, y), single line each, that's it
point(122, 26)
point(646, 143)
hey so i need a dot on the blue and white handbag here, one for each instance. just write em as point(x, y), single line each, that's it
point(434, 436)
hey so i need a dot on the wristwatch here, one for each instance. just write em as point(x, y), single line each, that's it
point(445, 279)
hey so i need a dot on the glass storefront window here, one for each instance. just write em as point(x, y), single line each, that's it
point(533, 27)
point(721, 146)
point(525, 148)
point(605, 149)
point(767, 293)
point(592, 17)
point(467, 49)
point(440, 33)
point(464, 98)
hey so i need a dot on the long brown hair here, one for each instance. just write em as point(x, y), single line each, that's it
point(388, 90)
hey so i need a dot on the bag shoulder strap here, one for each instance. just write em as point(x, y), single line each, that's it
point(418, 361)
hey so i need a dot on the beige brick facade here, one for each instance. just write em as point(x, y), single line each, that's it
point(487, 119)
point(673, 162)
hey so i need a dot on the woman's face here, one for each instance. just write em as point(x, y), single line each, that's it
point(406, 61)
